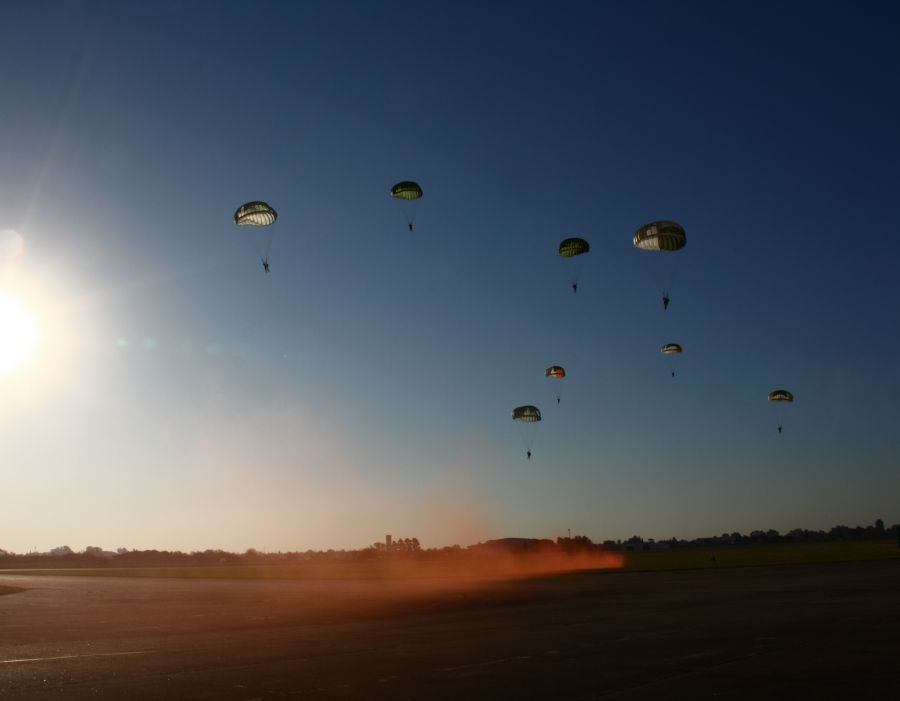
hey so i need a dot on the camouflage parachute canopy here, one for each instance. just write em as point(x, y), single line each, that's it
point(555, 371)
point(406, 190)
point(660, 236)
point(780, 395)
point(573, 247)
point(527, 414)
point(670, 348)
point(255, 214)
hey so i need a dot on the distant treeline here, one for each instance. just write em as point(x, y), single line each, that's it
point(798, 535)
point(93, 556)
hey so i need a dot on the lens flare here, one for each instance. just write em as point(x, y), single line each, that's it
point(18, 334)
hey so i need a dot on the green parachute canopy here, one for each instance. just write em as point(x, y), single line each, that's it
point(780, 395)
point(671, 348)
point(660, 236)
point(255, 214)
point(406, 190)
point(526, 414)
point(573, 247)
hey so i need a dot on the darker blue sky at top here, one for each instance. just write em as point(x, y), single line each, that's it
point(768, 129)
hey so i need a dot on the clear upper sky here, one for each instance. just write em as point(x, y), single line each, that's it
point(181, 398)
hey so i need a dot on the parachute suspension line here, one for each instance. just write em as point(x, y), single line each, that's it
point(267, 246)
point(407, 193)
point(662, 238)
point(556, 374)
point(527, 418)
point(671, 275)
point(259, 217)
point(781, 397)
point(670, 352)
point(570, 250)
point(262, 247)
point(408, 212)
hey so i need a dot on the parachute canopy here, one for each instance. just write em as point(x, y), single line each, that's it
point(555, 371)
point(660, 236)
point(526, 414)
point(255, 214)
point(573, 247)
point(780, 395)
point(670, 348)
point(406, 190)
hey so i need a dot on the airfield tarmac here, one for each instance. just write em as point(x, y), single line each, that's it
point(793, 631)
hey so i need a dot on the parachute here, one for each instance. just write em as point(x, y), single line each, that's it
point(672, 349)
point(779, 396)
point(573, 247)
point(527, 417)
point(526, 414)
point(660, 236)
point(570, 248)
point(663, 236)
point(255, 214)
point(407, 192)
point(258, 214)
point(557, 372)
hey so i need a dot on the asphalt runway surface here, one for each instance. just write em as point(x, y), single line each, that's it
point(787, 632)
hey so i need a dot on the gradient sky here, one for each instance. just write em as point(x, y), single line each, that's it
point(182, 399)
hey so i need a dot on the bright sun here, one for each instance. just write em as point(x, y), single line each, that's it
point(18, 334)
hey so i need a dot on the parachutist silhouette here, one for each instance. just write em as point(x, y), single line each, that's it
point(410, 226)
point(529, 454)
point(574, 287)
point(265, 262)
point(557, 400)
point(779, 428)
point(665, 301)
point(673, 373)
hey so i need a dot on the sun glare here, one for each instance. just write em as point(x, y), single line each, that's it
point(18, 334)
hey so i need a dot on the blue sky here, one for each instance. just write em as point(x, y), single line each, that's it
point(181, 398)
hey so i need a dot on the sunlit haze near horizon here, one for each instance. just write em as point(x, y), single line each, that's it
point(159, 390)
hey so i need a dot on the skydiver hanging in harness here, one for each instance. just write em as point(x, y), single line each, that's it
point(779, 428)
point(528, 453)
point(574, 287)
point(265, 262)
point(409, 224)
point(665, 300)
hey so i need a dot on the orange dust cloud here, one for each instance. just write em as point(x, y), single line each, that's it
point(496, 562)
